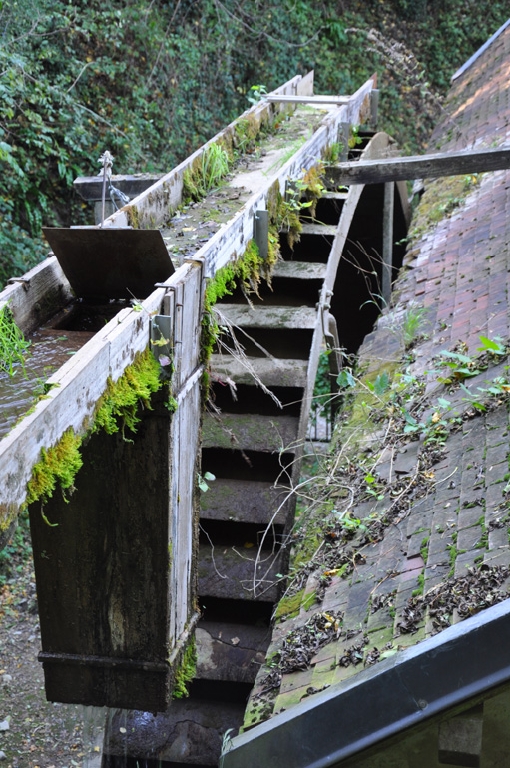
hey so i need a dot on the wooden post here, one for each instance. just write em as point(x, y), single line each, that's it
point(387, 241)
point(343, 138)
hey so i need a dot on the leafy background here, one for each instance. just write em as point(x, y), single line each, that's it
point(151, 80)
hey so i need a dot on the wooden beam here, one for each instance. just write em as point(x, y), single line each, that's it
point(419, 166)
point(332, 100)
point(91, 187)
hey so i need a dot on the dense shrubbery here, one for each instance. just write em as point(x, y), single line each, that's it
point(151, 80)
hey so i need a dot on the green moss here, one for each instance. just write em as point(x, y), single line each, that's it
point(288, 607)
point(364, 407)
point(119, 406)
point(246, 132)
point(185, 672)
point(283, 214)
point(133, 216)
point(245, 272)
point(441, 198)
point(421, 585)
point(58, 466)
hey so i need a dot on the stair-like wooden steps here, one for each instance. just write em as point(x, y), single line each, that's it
point(317, 228)
point(300, 270)
point(238, 573)
point(244, 501)
point(229, 651)
point(249, 431)
point(270, 371)
point(271, 317)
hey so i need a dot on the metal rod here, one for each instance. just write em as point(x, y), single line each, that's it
point(106, 161)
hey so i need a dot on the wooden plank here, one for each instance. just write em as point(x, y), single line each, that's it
point(184, 505)
point(377, 147)
point(334, 196)
point(103, 581)
point(223, 572)
point(72, 400)
point(300, 270)
point(316, 99)
point(271, 371)
point(430, 166)
point(81, 382)
point(227, 651)
point(249, 432)
point(268, 316)
point(153, 205)
point(188, 307)
point(323, 230)
point(244, 501)
point(35, 298)
point(90, 188)
point(232, 239)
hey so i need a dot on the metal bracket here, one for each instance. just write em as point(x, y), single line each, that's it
point(25, 281)
point(261, 232)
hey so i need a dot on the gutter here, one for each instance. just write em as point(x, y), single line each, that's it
point(417, 683)
point(479, 52)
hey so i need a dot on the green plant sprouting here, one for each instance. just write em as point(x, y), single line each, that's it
point(13, 345)
point(206, 173)
point(204, 480)
point(256, 94)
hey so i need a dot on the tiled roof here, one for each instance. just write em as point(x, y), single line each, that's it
point(442, 475)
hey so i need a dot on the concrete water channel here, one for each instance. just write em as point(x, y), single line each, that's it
point(139, 571)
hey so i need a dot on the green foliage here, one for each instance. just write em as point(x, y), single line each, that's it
point(151, 81)
point(13, 346)
point(119, 406)
point(58, 467)
point(204, 480)
point(185, 672)
point(256, 93)
point(322, 388)
point(207, 173)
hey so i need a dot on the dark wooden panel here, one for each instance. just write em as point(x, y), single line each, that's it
point(103, 574)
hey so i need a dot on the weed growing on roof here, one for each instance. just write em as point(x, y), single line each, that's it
point(383, 412)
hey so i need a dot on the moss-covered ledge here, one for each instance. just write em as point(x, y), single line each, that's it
point(118, 409)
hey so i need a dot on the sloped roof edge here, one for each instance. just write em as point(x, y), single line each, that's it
point(479, 52)
point(441, 672)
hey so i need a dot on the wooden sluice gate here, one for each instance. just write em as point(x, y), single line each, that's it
point(137, 585)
